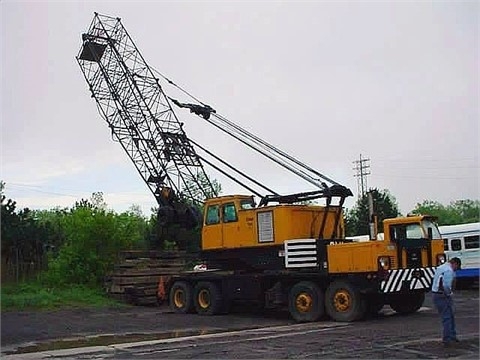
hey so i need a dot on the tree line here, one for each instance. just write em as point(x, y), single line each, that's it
point(385, 206)
point(81, 244)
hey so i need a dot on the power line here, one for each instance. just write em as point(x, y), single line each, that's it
point(362, 170)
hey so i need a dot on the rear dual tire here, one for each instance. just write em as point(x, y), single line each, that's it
point(306, 302)
point(208, 299)
point(344, 303)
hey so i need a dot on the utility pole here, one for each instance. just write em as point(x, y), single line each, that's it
point(362, 167)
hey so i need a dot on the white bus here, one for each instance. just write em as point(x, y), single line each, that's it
point(463, 241)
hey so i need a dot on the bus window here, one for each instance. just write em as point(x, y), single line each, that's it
point(445, 244)
point(471, 242)
point(456, 244)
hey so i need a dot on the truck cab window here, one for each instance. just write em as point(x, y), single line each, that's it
point(213, 215)
point(414, 231)
point(409, 231)
point(435, 232)
point(398, 233)
point(229, 213)
point(247, 204)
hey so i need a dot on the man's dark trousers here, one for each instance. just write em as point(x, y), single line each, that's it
point(444, 305)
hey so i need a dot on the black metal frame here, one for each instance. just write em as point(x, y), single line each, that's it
point(132, 102)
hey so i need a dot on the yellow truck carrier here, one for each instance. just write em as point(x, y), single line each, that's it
point(296, 256)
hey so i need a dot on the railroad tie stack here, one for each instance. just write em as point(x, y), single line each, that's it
point(135, 278)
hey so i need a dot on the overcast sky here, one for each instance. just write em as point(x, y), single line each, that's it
point(325, 81)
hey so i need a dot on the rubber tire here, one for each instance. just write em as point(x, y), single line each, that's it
point(407, 303)
point(208, 299)
point(181, 297)
point(338, 290)
point(306, 290)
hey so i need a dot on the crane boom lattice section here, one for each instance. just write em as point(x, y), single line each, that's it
point(132, 102)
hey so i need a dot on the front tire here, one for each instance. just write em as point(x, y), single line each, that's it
point(306, 302)
point(407, 303)
point(375, 303)
point(343, 302)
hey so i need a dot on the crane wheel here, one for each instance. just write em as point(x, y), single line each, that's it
point(343, 302)
point(305, 302)
point(181, 298)
point(207, 298)
point(407, 303)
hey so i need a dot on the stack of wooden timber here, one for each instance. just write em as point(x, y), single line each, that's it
point(135, 278)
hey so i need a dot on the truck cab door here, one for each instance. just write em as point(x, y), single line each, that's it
point(212, 228)
point(230, 225)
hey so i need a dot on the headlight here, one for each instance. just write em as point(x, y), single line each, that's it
point(384, 262)
point(441, 259)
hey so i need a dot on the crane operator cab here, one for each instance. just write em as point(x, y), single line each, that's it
point(235, 231)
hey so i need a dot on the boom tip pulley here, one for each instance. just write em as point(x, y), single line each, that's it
point(201, 110)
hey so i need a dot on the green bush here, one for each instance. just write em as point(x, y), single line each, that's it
point(93, 240)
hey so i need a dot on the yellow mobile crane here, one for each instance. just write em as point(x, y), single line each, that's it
point(279, 252)
point(296, 256)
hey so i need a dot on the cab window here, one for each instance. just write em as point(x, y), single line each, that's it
point(213, 215)
point(414, 231)
point(229, 213)
point(247, 204)
point(403, 232)
point(435, 232)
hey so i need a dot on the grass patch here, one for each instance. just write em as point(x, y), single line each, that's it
point(36, 296)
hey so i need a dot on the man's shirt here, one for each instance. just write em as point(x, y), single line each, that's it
point(443, 279)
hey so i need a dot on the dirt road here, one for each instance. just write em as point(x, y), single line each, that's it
point(38, 331)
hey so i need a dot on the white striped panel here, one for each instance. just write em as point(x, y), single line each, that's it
point(303, 258)
point(300, 253)
point(302, 265)
point(398, 276)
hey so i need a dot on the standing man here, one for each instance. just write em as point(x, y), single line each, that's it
point(442, 290)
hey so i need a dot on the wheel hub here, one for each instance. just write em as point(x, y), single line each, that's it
point(303, 302)
point(204, 299)
point(342, 301)
point(179, 299)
